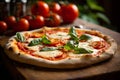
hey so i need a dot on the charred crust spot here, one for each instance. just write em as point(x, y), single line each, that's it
point(69, 58)
point(18, 54)
point(11, 39)
point(10, 49)
point(98, 56)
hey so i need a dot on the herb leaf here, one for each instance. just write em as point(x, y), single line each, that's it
point(73, 34)
point(45, 40)
point(49, 49)
point(35, 42)
point(69, 45)
point(82, 50)
point(84, 37)
point(38, 41)
point(20, 37)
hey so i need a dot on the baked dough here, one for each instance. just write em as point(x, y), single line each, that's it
point(58, 58)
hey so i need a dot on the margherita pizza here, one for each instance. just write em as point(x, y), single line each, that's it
point(60, 47)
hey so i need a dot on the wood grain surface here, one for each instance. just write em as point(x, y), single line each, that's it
point(109, 69)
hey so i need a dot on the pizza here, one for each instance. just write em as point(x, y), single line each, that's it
point(59, 47)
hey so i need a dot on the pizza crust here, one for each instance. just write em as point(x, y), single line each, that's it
point(69, 62)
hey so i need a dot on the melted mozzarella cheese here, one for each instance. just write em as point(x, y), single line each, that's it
point(59, 35)
point(34, 48)
point(30, 39)
point(48, 54)
point(87, 46)
point(94, 38)
point(63, 35)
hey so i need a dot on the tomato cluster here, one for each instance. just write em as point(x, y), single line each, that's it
point(42, 14)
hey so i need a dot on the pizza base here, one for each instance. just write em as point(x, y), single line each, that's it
point(82, 61)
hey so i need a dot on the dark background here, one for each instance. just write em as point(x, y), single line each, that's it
point(112, 11)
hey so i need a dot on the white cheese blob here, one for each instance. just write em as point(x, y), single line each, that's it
point(48, 54)
point(35, 48)
point(94, 38)
point(59, 35)
point(86, 45)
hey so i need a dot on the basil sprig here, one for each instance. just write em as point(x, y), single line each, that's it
point(73, 34)
point(84, 37)
point(45, 40)
point(82, 50)
point(42, 40)
point(35, 42)
point(49, 49)
point(74, 42)
point(71, 45)
point(19, 37)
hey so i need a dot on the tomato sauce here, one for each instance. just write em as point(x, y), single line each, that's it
point(27, 51)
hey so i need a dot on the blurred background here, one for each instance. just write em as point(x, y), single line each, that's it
point(102, 12)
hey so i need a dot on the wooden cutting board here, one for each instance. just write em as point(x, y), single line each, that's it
point(109, 69)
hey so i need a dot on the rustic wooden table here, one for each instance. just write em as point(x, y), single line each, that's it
point(108, 70)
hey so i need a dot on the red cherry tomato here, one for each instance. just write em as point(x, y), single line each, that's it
point(40, 8)
point(53, 20)
point(3, 26)
point(10, 20)
point(98, 44)
point(55, 7)
point(28, 17)
point(69, 13)
point(37, 22)
point(21, 25)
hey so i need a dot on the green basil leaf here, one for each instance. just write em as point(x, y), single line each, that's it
point(72, 31)
point(35, 42)
point(94, 5)
point(103, 17)
point(82, 51)
point(49, 49)
point(20, 37)
point(45, 40)
point(69, 45)
point(84, 37)
point(73, 34)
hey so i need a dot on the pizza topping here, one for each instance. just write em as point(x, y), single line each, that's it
point(50, 55)
point(38, 41)
point(53, 44)
point(59, 35)
point(34, 48)
point(82, 51)
point(45, 40)
point(23, 48)
point(20, 37)
point(73, 34)
point(49, 48)
point(84, 37)
point(98, 44)
point(71, 45)
point(35, 42)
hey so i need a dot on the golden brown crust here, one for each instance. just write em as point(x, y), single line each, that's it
point(84, 60)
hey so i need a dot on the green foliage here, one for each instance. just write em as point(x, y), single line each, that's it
point(91, 11)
